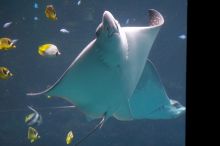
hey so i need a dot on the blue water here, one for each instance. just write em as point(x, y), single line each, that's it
point(33, 72)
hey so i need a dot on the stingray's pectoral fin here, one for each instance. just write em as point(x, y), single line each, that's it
point(150, 99)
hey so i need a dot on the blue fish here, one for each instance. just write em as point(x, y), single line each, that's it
point(36, 5)
point(36, 18)
point(79, 2)
point(127, 21)
point(183, 36)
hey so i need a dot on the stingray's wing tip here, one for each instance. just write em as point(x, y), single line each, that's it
point(38, 93)
point(34, 94)
point(156, 19)
point(31, 94)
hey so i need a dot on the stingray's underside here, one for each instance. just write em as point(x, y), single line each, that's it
point(99, 88)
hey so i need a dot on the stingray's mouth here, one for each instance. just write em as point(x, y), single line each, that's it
point(110, 23)
point(113, 31)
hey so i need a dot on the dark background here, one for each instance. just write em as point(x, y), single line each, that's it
point(33, 72)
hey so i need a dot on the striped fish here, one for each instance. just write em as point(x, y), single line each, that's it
point(33, 118)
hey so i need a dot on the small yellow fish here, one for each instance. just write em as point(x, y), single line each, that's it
point(5, 73)
point(50, 12)
point(69, 137)
point(48, 50)
point(6, 44)
point(49, 97)
point(32, 134)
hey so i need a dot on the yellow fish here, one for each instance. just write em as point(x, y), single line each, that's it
point(69, 137)
point(48, 50)
point(6, 44)
point(49, 97)
point(50, 12)
point(5, 73)
point(32, 134)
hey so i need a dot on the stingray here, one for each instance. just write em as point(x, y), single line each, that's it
point(113, 77)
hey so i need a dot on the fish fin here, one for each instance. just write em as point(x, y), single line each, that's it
point(98, 126)
point(149, 32)
point(31, 108)
point(39, 122)
point(155, 20)
point(150, 100)
point(140, 41)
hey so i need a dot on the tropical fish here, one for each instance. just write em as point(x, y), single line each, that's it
point(5, 73)
point(36, 5)
point(63, 30)
point(36, 18)
point(7, 24)
point(183, 36)
point(6, 44)
point(69, 137)
point(33, 134)
point(48, 50)
point(50, 12)
point(127, 21)
point(113, 76)
point(79, 2)
point(49, 97)
point(33, 118)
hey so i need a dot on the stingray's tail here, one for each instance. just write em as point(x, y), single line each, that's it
point(98, 126)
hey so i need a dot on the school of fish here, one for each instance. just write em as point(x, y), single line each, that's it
point(33, 119)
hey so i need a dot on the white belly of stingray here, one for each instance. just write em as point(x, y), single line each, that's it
point(92, 84)
point(112, 75)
